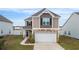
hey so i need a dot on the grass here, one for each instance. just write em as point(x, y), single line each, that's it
point(30, 39)
point(13, 43)
point(69, 43)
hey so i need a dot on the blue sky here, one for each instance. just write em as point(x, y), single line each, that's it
point(17, 15)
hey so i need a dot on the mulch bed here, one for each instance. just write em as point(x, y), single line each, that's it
point(27, 41)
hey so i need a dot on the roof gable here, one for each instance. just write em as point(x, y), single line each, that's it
point(70, 17)
point(77, 13)
point(37, 13)
point(44, 10)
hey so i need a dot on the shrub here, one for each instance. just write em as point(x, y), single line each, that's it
point(1, 37)
point(31, 38)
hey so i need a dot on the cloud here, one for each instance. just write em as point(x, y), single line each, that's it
point(19, 14)
point(20, 10)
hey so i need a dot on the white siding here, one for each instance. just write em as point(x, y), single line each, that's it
point(45, 37)
point(72, 25)
point(24, 33)
point(6, 27)
point(17, 32)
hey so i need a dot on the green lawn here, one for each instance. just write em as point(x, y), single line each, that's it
point(13, 43)
point(69, 43)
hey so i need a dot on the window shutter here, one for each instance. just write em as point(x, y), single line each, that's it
point(50, 21)
point(31, 23)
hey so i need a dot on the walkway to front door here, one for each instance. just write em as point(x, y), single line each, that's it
point(43, 46)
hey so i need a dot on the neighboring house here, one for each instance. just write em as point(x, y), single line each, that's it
point(71, 28)
point(18, 30)
point(44, 25)
point(6, 26)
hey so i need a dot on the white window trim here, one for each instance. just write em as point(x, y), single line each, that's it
point(44, 18)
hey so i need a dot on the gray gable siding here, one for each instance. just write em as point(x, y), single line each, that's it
point(39, 12)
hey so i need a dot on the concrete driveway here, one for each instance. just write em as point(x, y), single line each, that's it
point(47, 46)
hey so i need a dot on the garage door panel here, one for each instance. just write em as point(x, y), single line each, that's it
point(45, 37)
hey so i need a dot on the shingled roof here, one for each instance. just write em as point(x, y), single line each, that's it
point(4, 19)
point(29, 18)
point(76, 13)
point(39, 12)
point(36, 14)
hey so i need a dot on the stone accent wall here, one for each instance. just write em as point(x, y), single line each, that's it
point(55, 23)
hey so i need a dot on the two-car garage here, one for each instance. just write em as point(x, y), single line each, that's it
point(45, 37)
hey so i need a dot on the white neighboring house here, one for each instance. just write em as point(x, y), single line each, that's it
point(71, 28)
point(6, 26)
point(17, 30)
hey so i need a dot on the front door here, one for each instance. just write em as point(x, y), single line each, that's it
point(26, 33)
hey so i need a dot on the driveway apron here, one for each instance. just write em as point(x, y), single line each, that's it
point(47, 46)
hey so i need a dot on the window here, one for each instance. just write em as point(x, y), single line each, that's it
point(1, 31)
point(69, 33)
point(65, 33)
point(9, 32)
point(45, 21)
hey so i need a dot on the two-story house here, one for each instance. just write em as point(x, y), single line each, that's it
point(6, 26)
point(70, 28)
point(18, 30)
point(44, 25)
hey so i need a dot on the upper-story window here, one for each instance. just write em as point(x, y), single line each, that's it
point(46, 21)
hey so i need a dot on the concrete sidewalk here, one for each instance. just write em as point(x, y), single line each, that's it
point(43, 46)
point(23, 42)
point(47, 46)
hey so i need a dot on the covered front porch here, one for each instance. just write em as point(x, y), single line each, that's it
point(27, 31)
